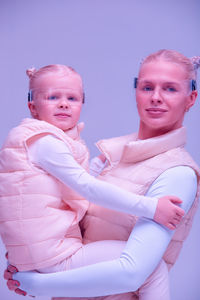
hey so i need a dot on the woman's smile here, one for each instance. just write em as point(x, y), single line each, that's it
point(156, 112)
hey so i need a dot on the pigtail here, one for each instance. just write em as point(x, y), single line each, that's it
point(30, 72)
point(195, 61)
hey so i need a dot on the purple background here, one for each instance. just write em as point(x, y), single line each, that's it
point(104, 40)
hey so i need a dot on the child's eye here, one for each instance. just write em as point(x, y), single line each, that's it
point(52, 97)
point(72, 98)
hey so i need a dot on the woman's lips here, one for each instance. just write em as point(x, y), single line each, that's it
point(156, 112)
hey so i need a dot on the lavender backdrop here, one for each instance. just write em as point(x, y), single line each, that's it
point(104, 40)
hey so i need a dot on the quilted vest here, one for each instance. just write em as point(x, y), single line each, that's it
point(39, 216)
point(134, 165)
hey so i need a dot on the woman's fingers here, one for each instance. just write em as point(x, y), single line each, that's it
point(7, 275)
point(20, 292)
point(12, 269)
point(13, 284)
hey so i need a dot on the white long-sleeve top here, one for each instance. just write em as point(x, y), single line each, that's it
point(53, 156)
point(144, 249)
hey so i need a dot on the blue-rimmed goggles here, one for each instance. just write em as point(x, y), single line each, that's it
point(52, 95)
point(193, 84)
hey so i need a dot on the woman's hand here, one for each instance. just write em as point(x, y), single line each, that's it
point(12, 284)
point(168, 213)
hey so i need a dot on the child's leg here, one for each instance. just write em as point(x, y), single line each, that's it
point(95, 252)
point(89, 254)
point(156, 286)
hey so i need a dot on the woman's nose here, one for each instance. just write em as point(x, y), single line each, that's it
point(156, 96)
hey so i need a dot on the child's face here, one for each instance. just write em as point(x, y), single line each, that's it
point(57, 100)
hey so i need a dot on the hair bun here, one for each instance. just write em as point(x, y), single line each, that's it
point(196, 61)
point(30, 72)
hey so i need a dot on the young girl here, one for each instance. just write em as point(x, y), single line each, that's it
point(43, 173)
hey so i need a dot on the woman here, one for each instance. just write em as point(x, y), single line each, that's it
point(165, 90)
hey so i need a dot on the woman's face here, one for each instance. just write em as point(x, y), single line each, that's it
point(163, 96)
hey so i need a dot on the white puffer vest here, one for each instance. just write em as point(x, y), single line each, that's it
point(134, 165)
point(39, 216)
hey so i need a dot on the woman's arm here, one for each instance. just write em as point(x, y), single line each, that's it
point(145, 247)
point(52, 155)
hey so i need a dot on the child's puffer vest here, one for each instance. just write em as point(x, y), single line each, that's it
point(39, 216)
point(134, 165)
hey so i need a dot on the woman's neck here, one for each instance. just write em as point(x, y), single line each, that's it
point(147, 133)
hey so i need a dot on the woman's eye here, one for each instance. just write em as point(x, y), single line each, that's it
point(170, 89)
point(147, 88)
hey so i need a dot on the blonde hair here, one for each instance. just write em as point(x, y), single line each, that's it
point(189, 64)
point(61, 70)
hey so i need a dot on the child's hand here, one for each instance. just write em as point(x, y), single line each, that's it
point(102, 157)
point(168, 213)
point(80, 127)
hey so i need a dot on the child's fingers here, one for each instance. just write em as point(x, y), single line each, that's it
point(80, 126)
point(171, 226)
point(175, 200)
point(176, 221)
point(102, 157)
point(180, 212)
point(177, 217)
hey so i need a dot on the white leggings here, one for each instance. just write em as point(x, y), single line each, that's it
point(156, 286)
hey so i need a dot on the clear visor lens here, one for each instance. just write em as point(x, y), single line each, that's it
point(184, 86)
point(56, 94)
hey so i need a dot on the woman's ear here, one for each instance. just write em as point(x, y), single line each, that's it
point(32, 109)
point(191, 99)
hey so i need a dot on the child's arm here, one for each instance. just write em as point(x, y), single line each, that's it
point(54, 157)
